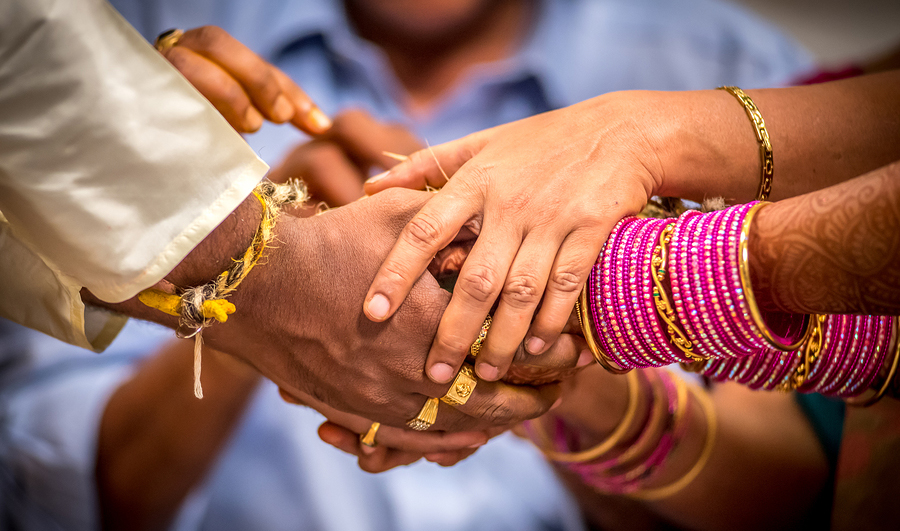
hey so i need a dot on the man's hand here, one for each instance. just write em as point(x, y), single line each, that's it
point(298, 321)
point(241, 85)
point(335, 165)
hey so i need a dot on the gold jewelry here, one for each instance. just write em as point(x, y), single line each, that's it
point(762, 136)
point(890, 376)
point(678, 485)
point(664, 308)
point(462, 388)
point(610, 442)
point(368, 438)
point(167, 40)
point(744, 270)
point(426, 417)
point(476, 346)
point(587, 329)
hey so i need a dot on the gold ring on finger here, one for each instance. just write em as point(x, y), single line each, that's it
point(476, 346)
point(368, 438)
point(167, 40)
point(426, 417)
point(462, 387)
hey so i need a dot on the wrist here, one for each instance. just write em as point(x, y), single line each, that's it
point(706, 146)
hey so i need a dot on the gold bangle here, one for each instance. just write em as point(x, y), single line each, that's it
point(587, 329)
point(755, 313)
point(762, 136)
point(664, 308)
point(610, 442)
point(890, 376)
point(678, 485)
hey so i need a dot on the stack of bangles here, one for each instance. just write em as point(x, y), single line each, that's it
point(632, 456)
point(670, 291)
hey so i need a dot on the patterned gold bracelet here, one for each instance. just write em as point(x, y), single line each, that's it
point(762, 136)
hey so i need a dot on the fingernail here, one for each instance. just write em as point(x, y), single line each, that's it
point(252, 119)
point(487, 372)
point(585, 358)
point(476, 445)
point(318, 121)
point(378, 307)
point(368, 450)
point(376, 178)
point(556, 404)
point(282, 111)
point(534, 345)
point(440, 373)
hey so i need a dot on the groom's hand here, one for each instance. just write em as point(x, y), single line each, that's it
point(298, 321)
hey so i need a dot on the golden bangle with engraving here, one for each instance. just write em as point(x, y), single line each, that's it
point(463, 386)
point(167, 40)
point(664, 308)
point(587, 330)
point(368, 438)
point(426, 417)
point(762, 137)
point(476, 346)
point(755, 313)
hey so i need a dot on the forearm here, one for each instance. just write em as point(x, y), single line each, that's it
point(157, 441)
point(821, 135)
point(832, 251)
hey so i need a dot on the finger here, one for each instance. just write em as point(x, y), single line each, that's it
point(431, 229)
point(431, 166)
point(573, 263)
point(226, 94)
point(374, 460)
point(477, 287)
point(519, 299)
point(449, 458)
point(498, 404)
point(258, 77)
point(565, 357)
point(308, 117)
point(366, 140)
point(329, 175)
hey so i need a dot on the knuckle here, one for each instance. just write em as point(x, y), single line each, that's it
point(499, 413)
point(565, 280)
point(522, 291)
point(263, 82)
point(454, 344)
point(478, 284)
point(209, 36)
point(423, 231)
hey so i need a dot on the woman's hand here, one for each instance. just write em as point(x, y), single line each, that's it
point(542, 194)
point(243, 87)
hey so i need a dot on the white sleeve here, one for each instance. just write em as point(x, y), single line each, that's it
point(112, 167)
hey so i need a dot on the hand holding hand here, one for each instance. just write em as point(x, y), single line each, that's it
point(543, 194)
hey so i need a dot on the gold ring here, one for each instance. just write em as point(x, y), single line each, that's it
point(368, 438)
point(476, 346)
point(462, 387)
point(167, 40)
point(426, 417)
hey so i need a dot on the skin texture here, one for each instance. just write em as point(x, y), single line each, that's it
point(538, 240)
point(241, 86)
point(834, 251)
